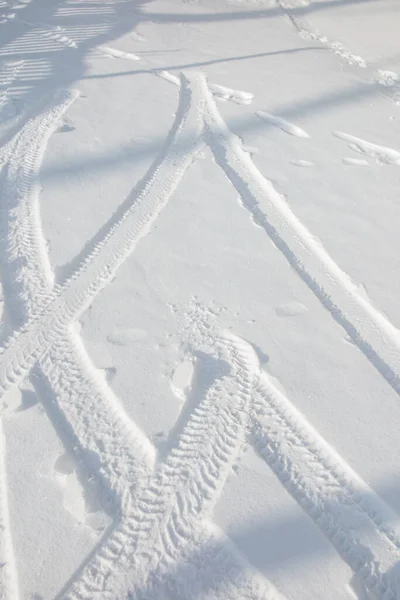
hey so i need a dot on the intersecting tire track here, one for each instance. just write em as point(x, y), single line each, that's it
point(7, 80)
point(8, 571)
point(305, 31)
point(162, 521)
point(63, 372)
point(64, 377)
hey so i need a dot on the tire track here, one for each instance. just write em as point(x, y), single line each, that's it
point(220, 91)
point(388, 87)
point(362, 528)
point(219, 572)
point(162, 525)
point(67, 302)
point(194, 472)
point(371, 331)
point(52, 32)
point(18, 185)
point(64, 378)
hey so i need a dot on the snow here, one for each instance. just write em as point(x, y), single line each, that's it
point(199, 322)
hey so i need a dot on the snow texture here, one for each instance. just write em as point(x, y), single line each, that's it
point(199, 317)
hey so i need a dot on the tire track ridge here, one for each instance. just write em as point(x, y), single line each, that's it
point(374, 335)
point(123, 451)
point(327, 489)
point(220, 91)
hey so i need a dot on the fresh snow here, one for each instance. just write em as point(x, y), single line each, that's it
point(199, 315)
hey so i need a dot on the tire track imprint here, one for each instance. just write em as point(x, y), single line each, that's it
point(383, 154)
point(91, 418)
point(67, 302)
point(362, 528)
point(53, 32)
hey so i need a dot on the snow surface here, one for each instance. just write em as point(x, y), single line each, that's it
point(200, 346)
